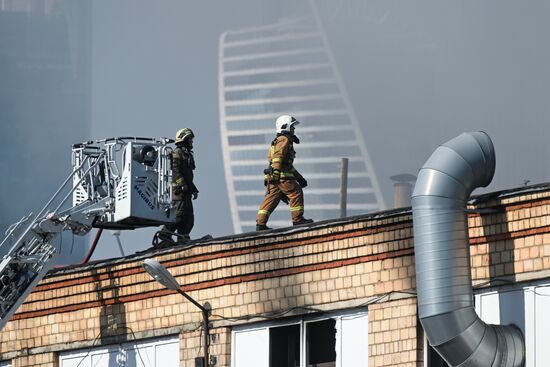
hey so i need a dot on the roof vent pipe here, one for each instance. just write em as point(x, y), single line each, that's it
point(402, 189)
point(441, 244)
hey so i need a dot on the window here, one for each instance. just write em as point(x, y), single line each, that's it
point(321, 343)
point(154, 353)
point(250, 348)
point(332, 341)
point(525, 307)
point(542, 325)
point(431, 357)
point(284, 346)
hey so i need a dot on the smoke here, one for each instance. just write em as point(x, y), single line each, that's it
point(416, 74)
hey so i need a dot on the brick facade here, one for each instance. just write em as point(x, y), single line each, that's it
point(365, 262)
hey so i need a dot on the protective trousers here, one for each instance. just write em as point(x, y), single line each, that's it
point(292, 191)
point(184, 217)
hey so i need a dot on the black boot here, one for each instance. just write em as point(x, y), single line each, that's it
point(261, 227)
point(183, 239)
point(162, 239)
point(302, 221)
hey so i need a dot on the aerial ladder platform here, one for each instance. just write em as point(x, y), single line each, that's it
point(115, 183)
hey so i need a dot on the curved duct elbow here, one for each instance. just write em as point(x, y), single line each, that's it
point(442, 253)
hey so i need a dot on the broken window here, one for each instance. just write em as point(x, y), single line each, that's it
point(338, 341)
point(321, 343)
point(284, 346)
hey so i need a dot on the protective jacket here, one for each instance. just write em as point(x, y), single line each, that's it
point(286, 185)
point(183, 164)
point(281, 156)
point(183, 188)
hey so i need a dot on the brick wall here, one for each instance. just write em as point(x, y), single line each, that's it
point(393, 330)
point(331, 266)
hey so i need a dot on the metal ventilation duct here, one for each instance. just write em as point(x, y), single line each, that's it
point(443, 274)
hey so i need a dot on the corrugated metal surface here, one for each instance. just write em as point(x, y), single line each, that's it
point(526, 307)
point(442, 257)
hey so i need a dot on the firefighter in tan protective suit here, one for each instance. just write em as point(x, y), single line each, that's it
point(282, 180)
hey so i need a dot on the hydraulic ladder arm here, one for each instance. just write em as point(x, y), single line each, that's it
point(123, 185)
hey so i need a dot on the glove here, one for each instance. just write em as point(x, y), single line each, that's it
point(181, 189)
point(302, 182)
point(195, 195)
point(275, 176)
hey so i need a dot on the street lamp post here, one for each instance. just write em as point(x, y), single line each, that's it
point(163, 276)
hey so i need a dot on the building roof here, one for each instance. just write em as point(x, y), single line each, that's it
point(476, 202)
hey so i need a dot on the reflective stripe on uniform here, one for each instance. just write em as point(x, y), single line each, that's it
point(296, 208)
point(179, 181)
point(275, 160)
point(287, 175)
point(264, 212)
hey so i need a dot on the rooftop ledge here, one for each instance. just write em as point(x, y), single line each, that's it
point(477, 204)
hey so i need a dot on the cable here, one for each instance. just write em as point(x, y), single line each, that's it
point(90, 251)
point(537, 293)
point(275, 315)
point(93, 345)
point(267, 316)
point(94, 245)
point(135, 339)
point(99, 335)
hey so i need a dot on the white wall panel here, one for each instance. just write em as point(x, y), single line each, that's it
point(165, 352)
point(250, 348)
point(353, 339)
point(542, 326)
point(162, 352)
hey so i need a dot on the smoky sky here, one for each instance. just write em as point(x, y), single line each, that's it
point(417, 73)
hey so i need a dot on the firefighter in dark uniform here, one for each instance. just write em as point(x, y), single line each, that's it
point(183, 189)
point(282, 180)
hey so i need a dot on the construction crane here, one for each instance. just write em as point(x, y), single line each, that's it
point(116, 183)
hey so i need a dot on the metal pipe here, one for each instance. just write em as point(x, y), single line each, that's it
point(204, 322)
point(442, 257)
point(90, 251)
point(206, 340)
point(402, 189)
point(343, 187)
point(119, 243)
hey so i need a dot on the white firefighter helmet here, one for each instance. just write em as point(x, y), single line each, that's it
point(183, 134)
point(284, 123)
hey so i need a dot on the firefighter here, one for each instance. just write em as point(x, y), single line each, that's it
point(183, 189)
point(282, 180)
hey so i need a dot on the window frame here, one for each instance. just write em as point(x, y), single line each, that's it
point(530, 290)
point(139, 344)
point(302, 321)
